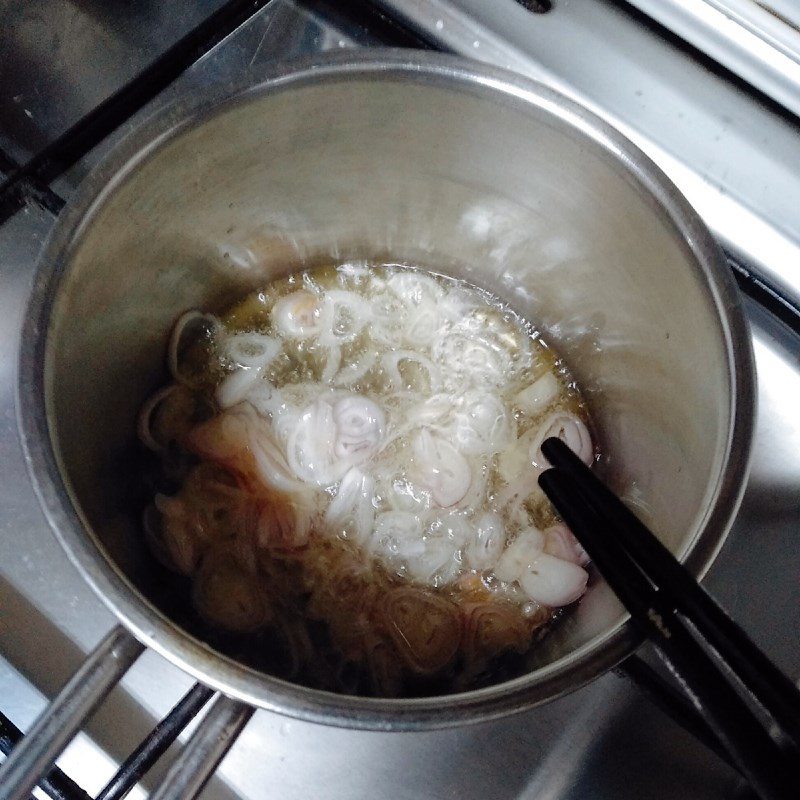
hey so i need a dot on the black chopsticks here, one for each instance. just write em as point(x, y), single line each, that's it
point(752, 707)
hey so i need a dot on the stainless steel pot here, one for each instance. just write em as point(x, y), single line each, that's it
point(416, 157)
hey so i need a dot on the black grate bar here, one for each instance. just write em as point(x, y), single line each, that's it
point(156, 743)
point(56, 784)
point(89, 131)
point(207, 746)
point(55, 727)
point(7, 164)
point(40, 194)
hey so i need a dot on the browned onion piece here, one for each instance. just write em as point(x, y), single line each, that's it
point(283, 522)
point(425, 628)
point(492, 628)
point(221, 439)
point(178, 533)
point(228, 598)
point(385, 670)
point(299, 647)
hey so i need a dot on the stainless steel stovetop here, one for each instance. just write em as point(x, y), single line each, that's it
point(733, 152)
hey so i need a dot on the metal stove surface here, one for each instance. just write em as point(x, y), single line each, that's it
point(603, 741)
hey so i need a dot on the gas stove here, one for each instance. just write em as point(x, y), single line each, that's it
point(732, 148)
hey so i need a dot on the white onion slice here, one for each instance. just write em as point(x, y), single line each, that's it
point(520, 554)
point(273, 469)
point(437, 564)
point(488, 542)
point(553, 582)
point(353, 500)
point(332, 364)
point(391, 363)
point(352, 373)
point(397, 535)
point(538, 395)
point(354, 269)
point(457, 304)
point(360, 424)
point(560, 541)
point(297, 316)
point(441, 469)
point(237, 386)
point(414, 287)
point(470, 360)
point(266, 399)
point(422, 325)
point(571, 430)
point(310, 444)
point(333, 331)
point(251, 350)
point(482, 426)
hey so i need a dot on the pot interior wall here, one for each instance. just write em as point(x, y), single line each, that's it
point(430, 172)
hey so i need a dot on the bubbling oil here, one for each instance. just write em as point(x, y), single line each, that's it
point(353, 454)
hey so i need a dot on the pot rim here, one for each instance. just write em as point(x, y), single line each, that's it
point(155, 629)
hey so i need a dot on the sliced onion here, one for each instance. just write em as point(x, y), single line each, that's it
point(514, 462)
point(332, 332)
point(519, 555)
point(310, 444)
point(360, 424)
point(391, 363)
point(397, 535)
point(554, 582)
point(272, 467)
point(440, 469)
point(422, 325)
point(538, 395)
point(354, 269)
point(353, 500)
point(437, 564)
point(242, 441)
point(559, 541)
point(385, 668)
point(299, 647)
point(189, 318)
point(353, 373)
point(227, 597)
point(469, 359)
point(493, 628)
point(571, 430)
point(237, 386)
point(144, 422)
point(453, 526)
point(389, 314)
point(251, 350)
point(297, 316)
point(284, 522)
point(171, 535)
point(425, 628)
point(333, 361)
point(222, 438)
point(413, 287)
point(488, 543)
point(266, 399)
point(457, 304)
point(310, 447)
point(482, 426)
point(345, 498)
